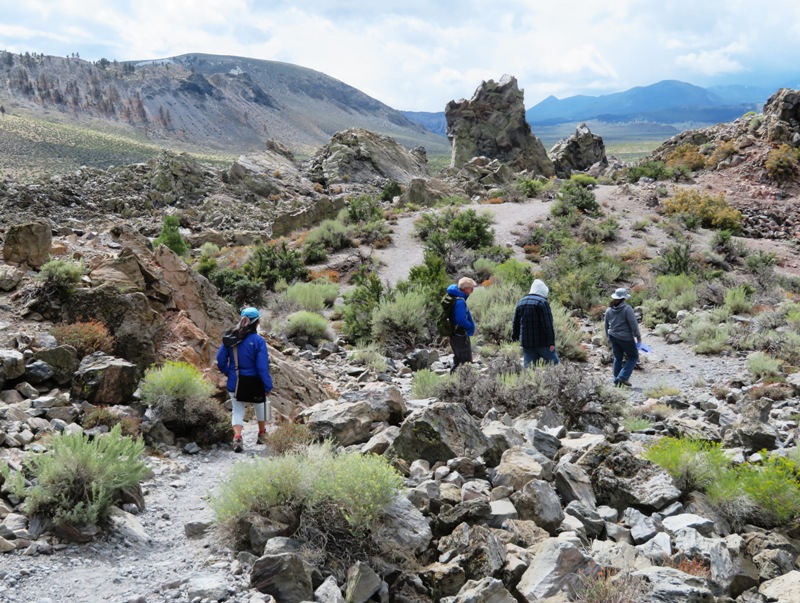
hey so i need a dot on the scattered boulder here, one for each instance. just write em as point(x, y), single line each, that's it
point(579, 152)
point(103, 379)
point(28, 243)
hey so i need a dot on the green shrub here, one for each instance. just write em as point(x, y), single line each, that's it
point(763, 365)
point(568, 335)
point(649, 169)
point(306, 324)
point(661, 390)
point(582, 402)
point(737, 300)
point(572, 197)
point(237, 287)
point(170, 236)
point(594, 232)
point(641, 225)
point(530, 187)
point(287, 437)
point(580, 274)
point(675, 259)
point(61, 274)
point(514, 273)
point(332, 234)
point(766, 495)
point(369, 355)
point(391, 190)
point(78, 480)
point(731, 250)
point(376, 233)
point(359, 303)
point(425, 384)
point(85, 337)
point(709, 337)
point(583, 179)
point(403, 321)
point(636, 424)
point(693, 464)
point(366, 208)
point(712, 210)
point(471, 229)
point(723, 151)
point(483, 268)
point(313, 296)
point(493, 309)
point(670, 286)
point(782, 163)
point(359, 487)
point(271, 263)
point(181, 397)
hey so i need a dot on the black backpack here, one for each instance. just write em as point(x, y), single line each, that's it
point(445, 324)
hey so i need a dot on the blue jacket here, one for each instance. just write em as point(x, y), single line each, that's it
point(253, 361)
point(462, 317)
point(533, 323)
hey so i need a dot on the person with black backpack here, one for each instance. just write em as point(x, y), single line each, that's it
point(461, 325)
point(244, 359)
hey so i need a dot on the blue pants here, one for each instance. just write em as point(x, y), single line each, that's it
point(533, 355)
point(623, 348)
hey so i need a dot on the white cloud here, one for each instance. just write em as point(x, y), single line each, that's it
point(419, 54)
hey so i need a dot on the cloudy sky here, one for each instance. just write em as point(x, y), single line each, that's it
point(419, 54)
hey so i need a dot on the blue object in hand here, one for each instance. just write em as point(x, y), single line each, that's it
point(643, 347)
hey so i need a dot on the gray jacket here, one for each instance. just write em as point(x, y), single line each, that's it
point(621, 322)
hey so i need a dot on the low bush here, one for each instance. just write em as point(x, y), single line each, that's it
point(782, 163)
point(312, 296)
point(306, 324)
point(358, 487)
point(712, 210)
point(171, 237)
point(425, 384)
point(330, 235)
point(287, 437)
point(369, 355)
point(359, 303)
point(366, 208)
point(513, 272)
point(61, 274)
point(583, 179)
point(661, 390)
point(404, 321)
point(675, 259)
point(466, 227)
point(729, 248)
point(607, 588)
point(649, 169)
point(636, 423)
point(763, 366)
point(737, 300)
point(483, 268)
point(693, 464)
point(78, 480)
point(181, 397)
point(86, 337)
point(568, 335)
point(594, 232)
point(271, 263)
point(572, 197)
point(530, 187)
point(493, 309)
point(707, 335)
point(583, 403)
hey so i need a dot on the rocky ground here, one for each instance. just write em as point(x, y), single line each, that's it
point(168, 553)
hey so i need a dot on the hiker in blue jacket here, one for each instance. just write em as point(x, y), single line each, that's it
point(623, 334)
point(533, 326)
point(462, 319)
point(253, 359)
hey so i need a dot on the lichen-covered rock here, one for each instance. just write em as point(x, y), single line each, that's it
point(103, 379)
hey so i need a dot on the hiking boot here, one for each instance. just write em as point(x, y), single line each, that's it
point(262, 438)
point(623, 383)
point(238, 445)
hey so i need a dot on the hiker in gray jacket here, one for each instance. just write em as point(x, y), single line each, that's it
point(623, 334)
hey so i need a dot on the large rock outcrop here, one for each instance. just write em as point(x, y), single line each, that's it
point(492, 124)
point(782, 116)
point(28, 243)
point(357, 156)
point(579, 152)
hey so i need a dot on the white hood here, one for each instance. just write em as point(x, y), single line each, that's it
point(539, 288)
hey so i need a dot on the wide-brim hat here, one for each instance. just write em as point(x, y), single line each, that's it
point(620, 293)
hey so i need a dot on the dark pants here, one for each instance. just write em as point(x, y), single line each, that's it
point(533, 355)
point(623, 348)
point(462, 351)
